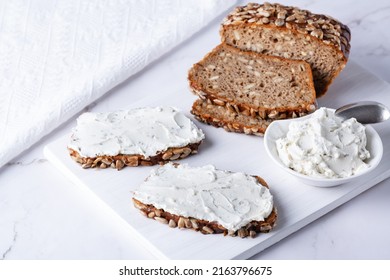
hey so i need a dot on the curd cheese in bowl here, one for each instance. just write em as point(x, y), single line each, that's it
point(322, 149)
point(324, 146)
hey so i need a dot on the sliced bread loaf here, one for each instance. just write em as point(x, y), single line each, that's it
point(207, 200)
point(289, 32)
point(263, 85)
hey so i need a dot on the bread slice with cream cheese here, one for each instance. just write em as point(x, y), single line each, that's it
point(207, 200)
point(136, 137)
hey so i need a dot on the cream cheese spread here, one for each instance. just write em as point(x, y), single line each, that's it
point(324, 146)
point(230, 199)
point(141, 131)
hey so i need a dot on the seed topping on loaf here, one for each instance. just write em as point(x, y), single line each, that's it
point(322, 27)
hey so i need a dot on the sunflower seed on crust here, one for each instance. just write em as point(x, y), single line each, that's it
point(181, 223)
point(119, 164)
point(172, 223)
point(174, 157)
point(167, 155)
point(187, 223)
point(178, 151)
point(242, 232)
point(161, 220)
point(208, 230)
point(106, 161)
point(194, 223)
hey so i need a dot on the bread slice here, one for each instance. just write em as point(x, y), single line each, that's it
point(262, 85)
point(121, 160)
point(290, 32)
point(185, 197)
point(228, 118)
point(140, 136)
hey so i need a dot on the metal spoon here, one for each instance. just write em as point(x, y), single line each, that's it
point(364, 112)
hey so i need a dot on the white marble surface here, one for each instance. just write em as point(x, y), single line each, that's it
point(44, 216)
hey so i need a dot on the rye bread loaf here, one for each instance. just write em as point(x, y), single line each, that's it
point(180, 187)
point(259, 84)
point(289, 32)
point(229, 119)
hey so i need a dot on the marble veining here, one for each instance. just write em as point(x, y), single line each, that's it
point(370, 15)
point(13, 241)
point(27, 163)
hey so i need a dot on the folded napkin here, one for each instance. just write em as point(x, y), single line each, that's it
point(56, 57)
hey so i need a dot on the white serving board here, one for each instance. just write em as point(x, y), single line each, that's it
point(298, 204)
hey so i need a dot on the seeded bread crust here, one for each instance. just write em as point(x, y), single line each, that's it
point(207, 227)
point(219, 116)
point(260, 84)
point(277, 23)
point(120, 161)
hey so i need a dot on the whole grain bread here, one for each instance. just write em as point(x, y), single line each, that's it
point(134, 137)
point(228, 118)
point(290, 32)
point(260, 84)
point(205, 227)
point(208, 227)
point(120, 161)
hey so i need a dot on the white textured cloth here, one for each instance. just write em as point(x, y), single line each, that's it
point(56, 57)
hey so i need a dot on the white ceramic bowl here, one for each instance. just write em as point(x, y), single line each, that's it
point(278, 129)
